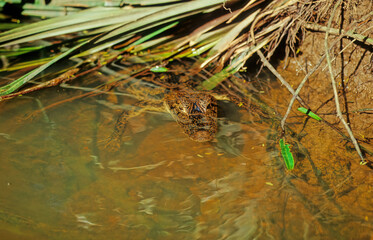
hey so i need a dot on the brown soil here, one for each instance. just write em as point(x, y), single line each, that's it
point(352, 63)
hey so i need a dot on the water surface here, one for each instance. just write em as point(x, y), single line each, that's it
point(58, 181)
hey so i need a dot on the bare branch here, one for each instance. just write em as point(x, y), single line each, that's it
point(335, 91)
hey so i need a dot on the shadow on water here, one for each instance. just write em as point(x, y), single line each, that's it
point(59, 182)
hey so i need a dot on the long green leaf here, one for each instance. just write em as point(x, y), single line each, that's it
point(20, 51)
point(201, 49)
point(27, 64)
point(11, 87)
point(174, 10)
point(151, 43)
point(149, 2)
point(106, 44)
point(153, 34)
point(121, 38)
point(84, 20)
point(213, 81)
point(233, 33)
point(47, 11)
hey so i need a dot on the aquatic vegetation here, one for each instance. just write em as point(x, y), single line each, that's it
point(309, 113)
point(287, 155)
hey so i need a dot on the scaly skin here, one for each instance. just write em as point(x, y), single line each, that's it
point(194, 111)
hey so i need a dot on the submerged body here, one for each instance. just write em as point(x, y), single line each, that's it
point(194, 111)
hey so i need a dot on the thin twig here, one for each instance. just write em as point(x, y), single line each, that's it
point(335, 91)
point(282, 80)
point(334, 31)
point(273, 70)
point(302, 83)
point(341, 36)
point(298, 90)
point(67, 76)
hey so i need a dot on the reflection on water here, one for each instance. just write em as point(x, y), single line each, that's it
point(59, 182)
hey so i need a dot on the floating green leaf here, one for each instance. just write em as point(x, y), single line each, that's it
point(309, 113)
point(287, 155)
point(158, 69)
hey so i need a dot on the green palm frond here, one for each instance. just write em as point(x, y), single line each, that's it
point(229, 32)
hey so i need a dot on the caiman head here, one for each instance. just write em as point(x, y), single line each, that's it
point(195, 112)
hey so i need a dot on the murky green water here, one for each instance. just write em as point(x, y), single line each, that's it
point(59, 182)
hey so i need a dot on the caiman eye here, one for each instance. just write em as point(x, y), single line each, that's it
point(195, 108)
